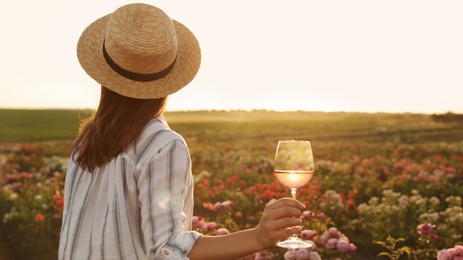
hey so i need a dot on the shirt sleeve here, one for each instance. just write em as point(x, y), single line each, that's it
point(165, 185)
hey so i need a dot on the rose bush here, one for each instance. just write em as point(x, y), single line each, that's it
point(359, 194)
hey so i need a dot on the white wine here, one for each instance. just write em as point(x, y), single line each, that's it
point(294, 179)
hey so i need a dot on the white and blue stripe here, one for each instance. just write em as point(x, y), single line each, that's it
point(138, 206)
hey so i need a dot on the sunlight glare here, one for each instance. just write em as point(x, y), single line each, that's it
point(294, 177)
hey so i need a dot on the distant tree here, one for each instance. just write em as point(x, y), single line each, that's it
point(448, 118)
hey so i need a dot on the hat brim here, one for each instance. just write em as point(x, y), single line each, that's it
point(91, 57)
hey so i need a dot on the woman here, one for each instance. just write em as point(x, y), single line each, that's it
point(129, 187)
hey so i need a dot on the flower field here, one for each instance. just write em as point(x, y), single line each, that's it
point(386, 186)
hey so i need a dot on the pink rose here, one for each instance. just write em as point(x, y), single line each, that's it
point(458, 250)
point(425, 229)
point(222, 231)
point(331, 243)
point(227, 204)
point(352, 247)
point(302, 254)
point(333, 232)
point(307, 234)
point(307, 214)
point(444, 254)
point(211, 226)
point(290, 254)
point(314, 256)
point(343, 245)
point(217, 206)
point(324, 237)
point(260, 256)
point(199, 224)
point(458, 253)
point(312, 248)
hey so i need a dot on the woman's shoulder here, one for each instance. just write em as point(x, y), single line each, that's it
point(158, 130)
point(154, 138)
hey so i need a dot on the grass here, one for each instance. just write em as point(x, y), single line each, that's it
point(39, 125)
point(46, 125)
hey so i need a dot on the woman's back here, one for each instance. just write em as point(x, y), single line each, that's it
point(116, 214)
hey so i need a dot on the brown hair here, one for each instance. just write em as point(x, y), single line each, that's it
point(117, 123)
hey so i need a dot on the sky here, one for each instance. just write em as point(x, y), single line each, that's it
point(391, 56)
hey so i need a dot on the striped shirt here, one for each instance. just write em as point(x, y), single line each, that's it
point(138, 206)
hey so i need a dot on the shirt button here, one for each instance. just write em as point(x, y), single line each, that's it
point(165, 252)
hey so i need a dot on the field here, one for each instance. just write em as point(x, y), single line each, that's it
point(378, 178)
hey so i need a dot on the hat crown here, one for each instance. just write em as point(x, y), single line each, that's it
point(141, 38)
point(139, 52)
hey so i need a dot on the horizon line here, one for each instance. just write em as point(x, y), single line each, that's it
point(246, 110)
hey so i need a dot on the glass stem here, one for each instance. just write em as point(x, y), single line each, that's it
point(293, 193)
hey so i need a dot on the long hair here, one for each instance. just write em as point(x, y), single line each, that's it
point(117, 123)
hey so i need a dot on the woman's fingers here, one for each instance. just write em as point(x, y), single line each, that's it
point(284, 202)
point(277, 235)
point(285, 233)
point(280, 219)
point(285, 223)
point(285, 208)
point(285, 212)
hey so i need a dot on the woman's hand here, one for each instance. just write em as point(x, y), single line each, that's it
point(280, 220)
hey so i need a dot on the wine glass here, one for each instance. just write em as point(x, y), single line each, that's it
point(294, 167)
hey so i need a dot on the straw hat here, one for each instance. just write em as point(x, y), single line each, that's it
point(139, 52)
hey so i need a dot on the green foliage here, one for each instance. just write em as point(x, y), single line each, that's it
point(394, 251)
